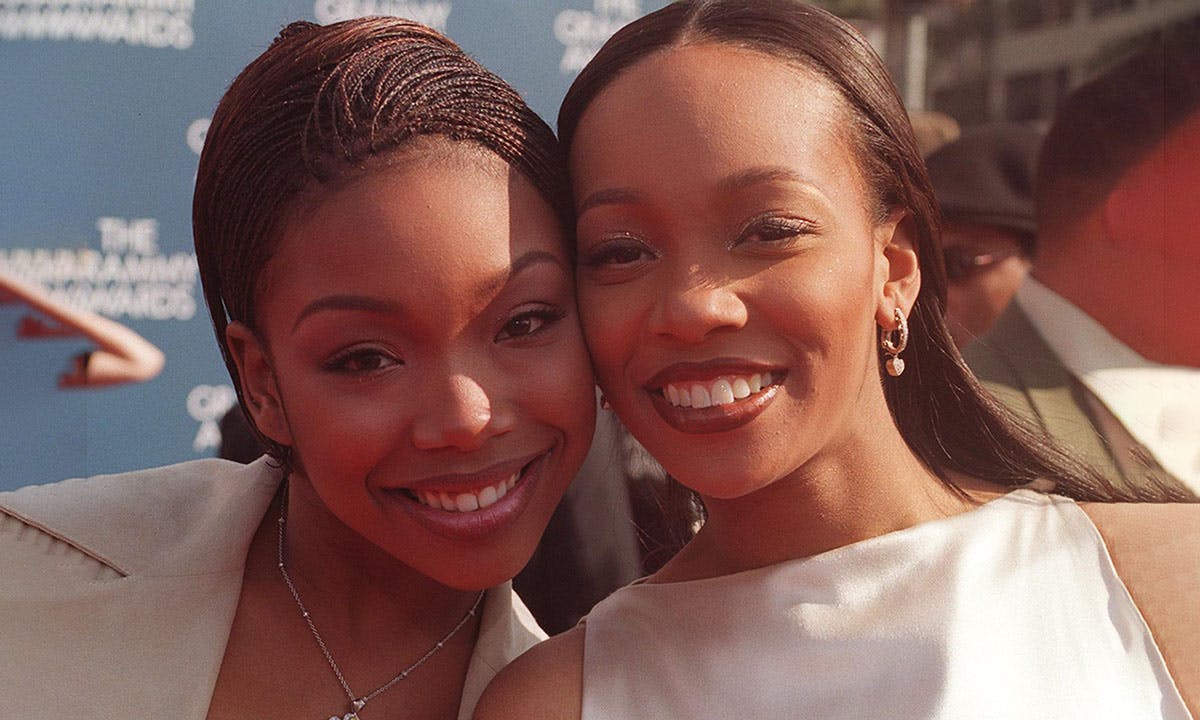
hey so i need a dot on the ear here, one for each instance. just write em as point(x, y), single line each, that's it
point(259, 386)
point(898, 268)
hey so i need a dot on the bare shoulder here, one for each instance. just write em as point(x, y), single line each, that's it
point(1156, 551)
point(545, 683)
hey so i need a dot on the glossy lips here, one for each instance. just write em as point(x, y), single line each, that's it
point(469, 501)
point(470, 507)
point(707, 398)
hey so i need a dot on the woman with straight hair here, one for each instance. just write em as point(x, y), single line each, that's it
point(380, 229)
point(761, 288)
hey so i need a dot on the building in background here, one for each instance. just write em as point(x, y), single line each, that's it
point(992, 60)
point(1014, 60)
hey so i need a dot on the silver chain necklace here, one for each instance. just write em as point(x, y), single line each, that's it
point(356, 702)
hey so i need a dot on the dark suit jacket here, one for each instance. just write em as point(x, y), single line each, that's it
point(1014, 362)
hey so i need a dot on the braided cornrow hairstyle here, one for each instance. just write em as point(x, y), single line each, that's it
point(318, 106)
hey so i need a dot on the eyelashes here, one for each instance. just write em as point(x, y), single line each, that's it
point(621, 251)
point(362, 361)
point(765, 233)
point(524, 326)
point(529, 323)
point(775, 230)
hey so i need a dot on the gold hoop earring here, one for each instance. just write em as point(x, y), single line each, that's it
point(893, 343)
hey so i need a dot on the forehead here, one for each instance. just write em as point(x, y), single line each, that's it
point(710, 106)
point(422, 228)
point(424, 202)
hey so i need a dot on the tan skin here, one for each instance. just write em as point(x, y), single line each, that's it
point(687, 268)
point(974, 301)
point(121, 355)
point(1132, 260)
point(408, 322)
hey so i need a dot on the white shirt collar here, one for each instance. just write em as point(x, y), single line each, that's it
point(1159, 404)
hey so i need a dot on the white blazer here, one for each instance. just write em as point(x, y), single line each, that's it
point(117, 593)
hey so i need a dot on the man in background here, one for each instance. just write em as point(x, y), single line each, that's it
point(1101, 347)
point(984, 185)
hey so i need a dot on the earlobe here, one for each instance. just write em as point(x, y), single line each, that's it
point(900, 268)
point(259, 386)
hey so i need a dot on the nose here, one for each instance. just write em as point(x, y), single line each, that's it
point(459, 414)
point(696, 306)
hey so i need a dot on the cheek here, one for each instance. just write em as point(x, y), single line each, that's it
point(342, 429)
point(1001, 282)
point(826, 311)
point(557, 386)
point(609, 327)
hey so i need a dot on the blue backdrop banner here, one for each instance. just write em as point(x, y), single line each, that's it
point(105, 104)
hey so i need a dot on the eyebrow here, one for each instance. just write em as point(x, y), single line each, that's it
point(613, 196)
point(736, 181)
point(367, 303)
point(533, 257)
point(363, 303)
point(759, 175)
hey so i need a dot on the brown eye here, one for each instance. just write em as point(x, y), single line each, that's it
point(775, 231)
point(618, 253)
point(529, 323)
point(522, 326)
point(362, 361)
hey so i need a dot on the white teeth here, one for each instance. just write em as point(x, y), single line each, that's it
point(722, 391)
point(468, 501)
point(488, 496)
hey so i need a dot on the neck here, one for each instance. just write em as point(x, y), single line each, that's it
point(1136, 296)
point(354, 586)
point(870, 486)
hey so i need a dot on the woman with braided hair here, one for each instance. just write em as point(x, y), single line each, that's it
point(380, 228)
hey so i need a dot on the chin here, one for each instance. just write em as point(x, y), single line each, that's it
point(475, 575)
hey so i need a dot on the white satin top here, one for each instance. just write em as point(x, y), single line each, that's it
point(1009, 611)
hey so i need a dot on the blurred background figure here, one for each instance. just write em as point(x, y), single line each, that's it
point(120, 354)
point(1102, 344)
point(984, 184)
point(933, 130)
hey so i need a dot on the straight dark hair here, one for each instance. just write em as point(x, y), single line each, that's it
point(948, 420)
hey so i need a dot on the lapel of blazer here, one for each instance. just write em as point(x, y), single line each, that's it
point(1013, 358)
point(1064, 407)
point(506, 629)
point(124, 588)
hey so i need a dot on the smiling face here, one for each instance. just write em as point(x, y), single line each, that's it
point(417, 347)
point(731, 267)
